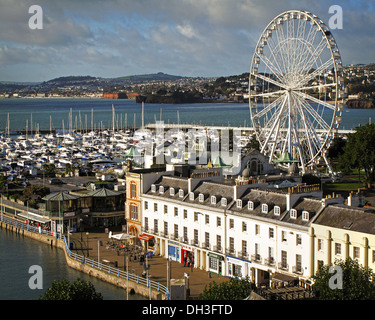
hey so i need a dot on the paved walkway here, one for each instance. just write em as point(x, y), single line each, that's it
point(198, 279)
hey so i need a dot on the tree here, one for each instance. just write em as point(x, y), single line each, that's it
point(78, 290)
point(234, 289)
point(359, 152)
point(356, 280)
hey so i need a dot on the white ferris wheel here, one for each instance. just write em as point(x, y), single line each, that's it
point(295, 90)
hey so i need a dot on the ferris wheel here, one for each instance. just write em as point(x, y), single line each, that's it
point(295, 88)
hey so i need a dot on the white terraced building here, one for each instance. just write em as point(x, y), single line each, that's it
point(232, 230)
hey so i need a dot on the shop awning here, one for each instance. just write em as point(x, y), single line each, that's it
point(283, 277)
point(120, 236)
point(145, 237)
point(33, 217)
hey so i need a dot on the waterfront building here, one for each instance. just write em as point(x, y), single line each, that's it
point(342, 232)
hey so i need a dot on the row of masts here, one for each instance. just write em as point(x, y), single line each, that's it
point(78, 125)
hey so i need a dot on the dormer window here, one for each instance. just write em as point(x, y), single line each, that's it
point(264, 208)
point(201, 197)
point(153, 188)
point(250, 205)
point(191, 196)
point(276, 210)
point(161, 189)
point(239, 203)
point(171, 191)
point(293, 213)
point(181, 193)
point(224, 202)
point(213, 200)
point(305, 215)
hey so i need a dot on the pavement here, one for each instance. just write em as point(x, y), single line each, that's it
point(198, 279)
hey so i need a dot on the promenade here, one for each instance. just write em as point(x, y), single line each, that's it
point(198, 279)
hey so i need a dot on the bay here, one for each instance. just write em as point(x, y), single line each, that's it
point(35, 112)
point(18, 254)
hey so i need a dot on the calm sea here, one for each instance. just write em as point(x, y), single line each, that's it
point(39, 112)
point(18, 254)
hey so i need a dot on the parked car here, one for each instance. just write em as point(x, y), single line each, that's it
point(55, 181)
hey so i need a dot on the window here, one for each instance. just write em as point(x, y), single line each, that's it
point(298, 239)
point(185, 234)
point(181, 193)
point(284, 259)
point(250, 205)
point(165, 209)
point(171, 191)
point(244, 227)
point(207, 217)
point(185, 214)
point(224, 202)
point(298, 263)
point(176, 231)
point(213, 200)
point(218, 222)
point(133, 212)
point(276, 211)
point(153, 188)
point(270, 255)
point(161, 189)
point(175, 211)
point(191, 196)
point(373, 256)
point(244, 246)
point(165, 228)
point(271, 233)
point(196, 216)
point(146, 223)
point(155, 207)
point(305, 215)
point(239, 203)
point(156, 226)
point(231, 245)
point(133, 190)
point(231, 223)
point(195, 236)
point(201, 197)
point(293, 213)
point(320, 244)
point(283, 236)
point(218, 242)
point(257, 229)
point(337, 248)
point(356, 252)
point(146, 205)
point(207, 239)
point(264, 208)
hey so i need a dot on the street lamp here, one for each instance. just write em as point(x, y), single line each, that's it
point(87, 234)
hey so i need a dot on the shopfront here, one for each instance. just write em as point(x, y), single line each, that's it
point(174, 249)
point(215, 263)
point(187, 255)
point(238, 267)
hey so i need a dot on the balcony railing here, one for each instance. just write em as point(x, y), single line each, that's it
point(194, 242)
point(256, 257)
point(297, 270)
point(283, 266)
point(206, 245)
point(218, 249)
point(270, 261)
point(230, 251)
point(243, 255)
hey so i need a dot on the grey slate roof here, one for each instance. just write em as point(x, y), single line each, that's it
point(350, 218)
point(60, 196)
point(311, 205)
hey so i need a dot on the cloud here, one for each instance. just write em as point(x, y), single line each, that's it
point(186, 37)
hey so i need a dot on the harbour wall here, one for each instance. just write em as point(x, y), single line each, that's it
point(125, 280)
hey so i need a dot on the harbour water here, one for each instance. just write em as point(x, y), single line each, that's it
point(35, 113)
point(18, 254)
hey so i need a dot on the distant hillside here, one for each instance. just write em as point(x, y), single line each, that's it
point(71, 79)
point(160, 76)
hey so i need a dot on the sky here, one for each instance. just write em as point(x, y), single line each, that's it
point(198, 38)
